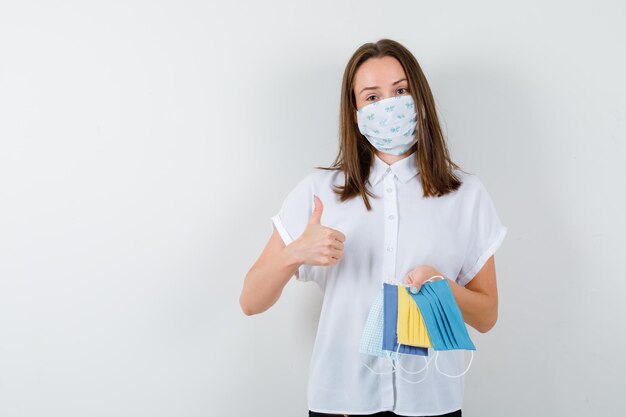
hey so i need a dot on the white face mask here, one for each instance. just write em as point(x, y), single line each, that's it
point(389, 124)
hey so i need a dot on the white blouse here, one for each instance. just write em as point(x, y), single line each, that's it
point(455, 233)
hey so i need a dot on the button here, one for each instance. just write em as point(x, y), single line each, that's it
point(389, 248)
point(389, 189)
point(391, 217)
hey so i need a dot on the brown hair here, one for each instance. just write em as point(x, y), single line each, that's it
point(356, 153)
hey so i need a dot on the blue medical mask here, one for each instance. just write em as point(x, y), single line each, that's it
point(442, 317)
point(389, 124)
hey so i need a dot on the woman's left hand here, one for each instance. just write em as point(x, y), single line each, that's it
point(419, 274)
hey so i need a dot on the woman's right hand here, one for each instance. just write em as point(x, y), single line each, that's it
point(318, 244)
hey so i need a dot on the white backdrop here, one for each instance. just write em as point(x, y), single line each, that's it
point(144, 146)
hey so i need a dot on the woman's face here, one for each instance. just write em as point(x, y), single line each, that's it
point(379, 78)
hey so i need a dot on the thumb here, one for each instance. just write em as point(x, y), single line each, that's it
point(316, 215)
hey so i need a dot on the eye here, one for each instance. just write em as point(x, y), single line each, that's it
point(368, 98)
point(401, 89)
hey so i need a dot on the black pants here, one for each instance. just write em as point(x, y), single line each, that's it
point(456, 413)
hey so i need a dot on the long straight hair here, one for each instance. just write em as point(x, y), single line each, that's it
point(356, 154)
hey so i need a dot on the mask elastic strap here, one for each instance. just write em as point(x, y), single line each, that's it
point(431, 278)
point(426, 362)
point(376, 372)
point(413, 290)
point(454, 376)
point(386, 355)
point(428, 280)
point(409, 372)
point(412, 382)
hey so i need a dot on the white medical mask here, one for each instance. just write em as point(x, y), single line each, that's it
point(389, 124)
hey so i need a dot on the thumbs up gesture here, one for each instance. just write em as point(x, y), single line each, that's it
point(318, 244)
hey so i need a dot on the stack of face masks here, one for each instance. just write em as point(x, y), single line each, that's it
point(400, 322)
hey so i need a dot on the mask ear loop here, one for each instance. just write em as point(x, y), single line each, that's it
point(376, 372)
point(426, 362)
point(386, 355)
point(454, 376)
point(412, 382)
point(409, 372)
point(431, 278)
point(428, 280)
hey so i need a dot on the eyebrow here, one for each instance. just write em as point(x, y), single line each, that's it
point(374, 88)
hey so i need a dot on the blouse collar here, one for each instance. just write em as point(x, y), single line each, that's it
point(405, 169)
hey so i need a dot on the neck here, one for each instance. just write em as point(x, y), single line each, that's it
point(390, 159)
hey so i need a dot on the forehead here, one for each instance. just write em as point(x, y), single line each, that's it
point(381, 72)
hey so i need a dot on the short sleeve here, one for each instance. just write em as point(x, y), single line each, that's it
point(486, 232)
point(293, 216)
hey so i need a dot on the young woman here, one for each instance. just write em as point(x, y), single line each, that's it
point(393, 208)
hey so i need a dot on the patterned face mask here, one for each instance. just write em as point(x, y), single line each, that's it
point(389, 124)
point(401, 323)
point(372, 337)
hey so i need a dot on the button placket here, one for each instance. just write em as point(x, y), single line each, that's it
point(390, 227)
